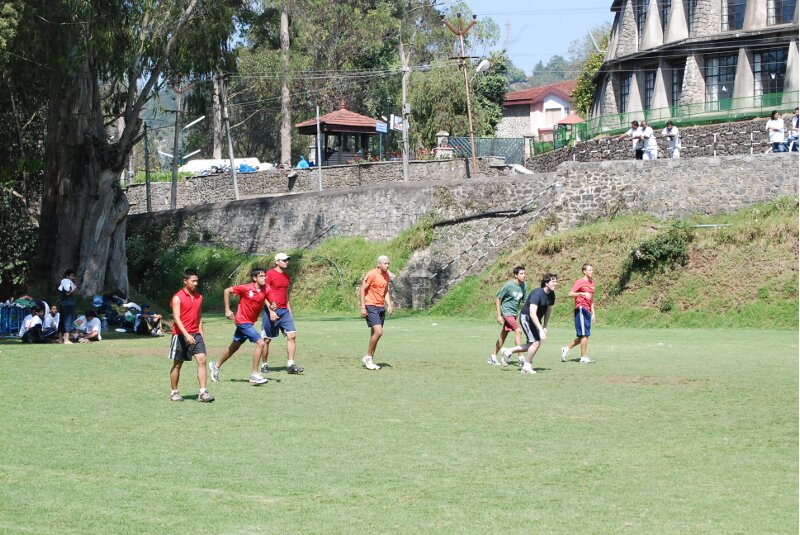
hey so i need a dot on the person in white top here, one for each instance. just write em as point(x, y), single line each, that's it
point(673, 136)
point(67, 289)
point(91, 332)
point(634, 133)
point(649, 141)
point(50, 322)
point(775, 129)
point(794, 131)
point(31, 329)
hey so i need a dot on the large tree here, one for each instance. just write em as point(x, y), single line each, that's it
point(101, 62)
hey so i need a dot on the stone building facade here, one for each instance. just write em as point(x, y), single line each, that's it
point(677, 58)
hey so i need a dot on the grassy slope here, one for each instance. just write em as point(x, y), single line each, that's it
point(744, 274)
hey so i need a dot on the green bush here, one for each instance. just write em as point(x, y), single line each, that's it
point(17, 244)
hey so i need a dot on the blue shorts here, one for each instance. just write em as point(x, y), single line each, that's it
point(583, 322)
point(531, 332)
point(245, 331)
point(285, 324)
point(375, 315)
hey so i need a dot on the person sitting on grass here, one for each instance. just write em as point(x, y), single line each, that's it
point(148, 323)
point(91, 330)
point(31, 330)
point(50, 323)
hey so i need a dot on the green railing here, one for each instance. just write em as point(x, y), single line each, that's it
point(718, 111)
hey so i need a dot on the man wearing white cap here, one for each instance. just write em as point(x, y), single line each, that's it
point(278, 296)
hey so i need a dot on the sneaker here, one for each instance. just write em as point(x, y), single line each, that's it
point(265, 368)
point(205, 397)
point(256, 379)
point(586, 360)
point(521, 359)
point(175, 396)
point(564, 353)
point(493, 360)
point(526, 369)
point(294, 369)
point(368, 364)
point(212, 366)
point(505, 355)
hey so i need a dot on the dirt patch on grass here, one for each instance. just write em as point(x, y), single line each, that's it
point(648, 380)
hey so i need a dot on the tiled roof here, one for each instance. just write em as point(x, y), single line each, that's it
point(572, 118)
point(536, 94)
point(341, 117)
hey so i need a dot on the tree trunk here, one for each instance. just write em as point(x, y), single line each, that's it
point(83, 207)
point(286, 99)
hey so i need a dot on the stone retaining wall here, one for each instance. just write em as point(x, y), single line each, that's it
point(217, 188)
point(741, 137)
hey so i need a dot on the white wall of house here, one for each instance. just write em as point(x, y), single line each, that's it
point(551, 110)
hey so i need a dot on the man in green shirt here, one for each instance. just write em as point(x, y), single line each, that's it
point(507, 302)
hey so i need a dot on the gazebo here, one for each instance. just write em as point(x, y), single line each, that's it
point(345, 135)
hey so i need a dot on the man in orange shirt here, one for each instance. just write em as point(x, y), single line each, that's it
point(375, 304)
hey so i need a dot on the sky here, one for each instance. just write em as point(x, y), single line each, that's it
point(535, 30)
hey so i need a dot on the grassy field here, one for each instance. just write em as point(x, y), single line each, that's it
point(671, 431)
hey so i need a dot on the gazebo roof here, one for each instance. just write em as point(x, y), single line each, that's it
point(339, 121)
point(572, 118)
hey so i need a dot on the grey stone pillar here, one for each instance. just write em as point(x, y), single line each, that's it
point(694, 88)
point(791, 83)
point(653, 34)
point(677, 28)
point(755, 15)
point(743, 83)
point(660, 105)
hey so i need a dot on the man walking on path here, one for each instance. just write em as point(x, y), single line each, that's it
point(534, 318)
point(187, 336)
point(507, 303)
point(375, 304)
point(251, 301)
point(583, 292)
point(278, 282)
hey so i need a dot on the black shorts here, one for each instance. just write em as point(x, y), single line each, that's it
point(531, 332)
point(375, 315)
point(180, 350)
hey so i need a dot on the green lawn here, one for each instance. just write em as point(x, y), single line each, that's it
point(671, 431)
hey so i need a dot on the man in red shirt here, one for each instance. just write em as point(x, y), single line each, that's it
point(375, 303)
point(583, 292)
point(187, 336)
point(251, 301)
point(278, 282)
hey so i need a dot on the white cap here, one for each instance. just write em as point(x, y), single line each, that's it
point(281, 256)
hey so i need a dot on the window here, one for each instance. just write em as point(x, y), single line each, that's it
point(649, 87)
point(552, 116)
point(690, 7)
point(720, 72)
point(769, 73)
point(780, 11)
point(624, 92)
point(639, 13)
point(677, 83)
point(666, 7)
point(733, 14)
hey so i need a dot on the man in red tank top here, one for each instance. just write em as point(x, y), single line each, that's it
point(187, 336)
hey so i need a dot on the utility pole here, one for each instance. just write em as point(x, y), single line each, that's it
point(462, 63)
point(406, 110)
point(226, 120)
point(147, 170)
point(173, 196)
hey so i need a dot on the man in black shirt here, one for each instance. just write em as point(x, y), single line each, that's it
point(534, 317)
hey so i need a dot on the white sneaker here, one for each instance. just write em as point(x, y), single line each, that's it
point(586, 360)
point(368, 364)
point(257, 379)
point(564, 353)
point(493, 360)
point(527, 369)
point(506, 354)
point(521, 359)
point(212, 366)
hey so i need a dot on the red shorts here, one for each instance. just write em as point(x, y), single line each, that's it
point(510, 324)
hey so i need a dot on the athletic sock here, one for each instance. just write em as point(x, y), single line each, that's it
point(202, 390)
point(290, 363)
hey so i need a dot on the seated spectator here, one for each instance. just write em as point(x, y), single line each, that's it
point(31, 329)
point(89, 329)
point(50, 323)
point(148, 323)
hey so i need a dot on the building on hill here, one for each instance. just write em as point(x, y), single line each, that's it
point(697, 60)
point(535, 112)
